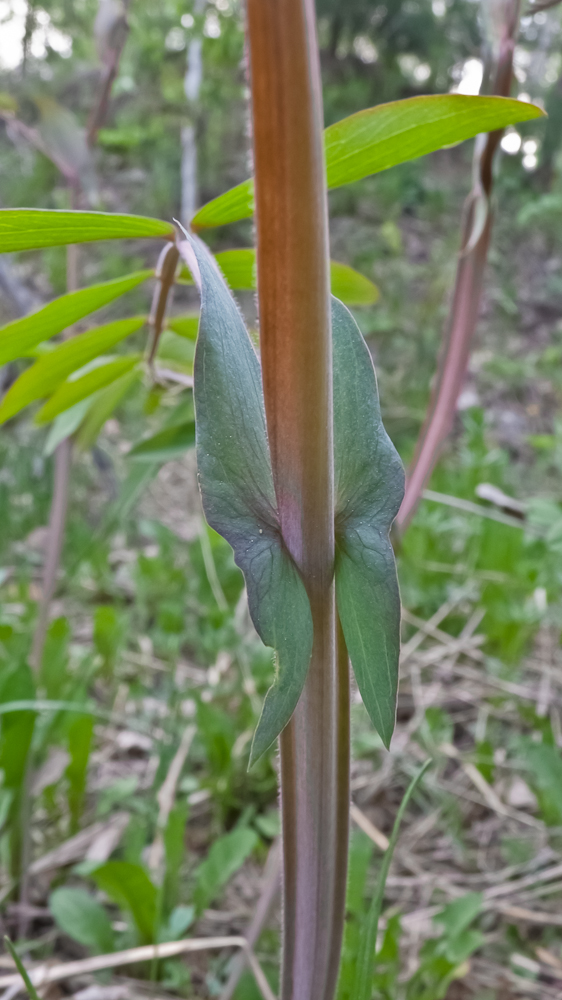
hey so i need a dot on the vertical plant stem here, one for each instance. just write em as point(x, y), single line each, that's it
point(467, 296)
point(295, 340)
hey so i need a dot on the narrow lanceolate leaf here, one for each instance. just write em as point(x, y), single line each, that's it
point(32, 228)
point(239, 269)
point(351, 287)
point(369, 481)
point(383, 136)
point(19, 337)
point(77, 389)
point(103, 406)
point(184, 326)
point(53, 368)
point(168, 444)
point(237, 488)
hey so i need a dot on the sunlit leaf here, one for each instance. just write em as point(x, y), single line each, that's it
point(168, 444)
point(32, 228)
point(184, 326)
point(237, 487)
point(381, 137)
point(352, 287)
point(46, 374)
point(73, 391)
point(369, 484)
point(18, 337)
point(239, 269)
point(103, 406)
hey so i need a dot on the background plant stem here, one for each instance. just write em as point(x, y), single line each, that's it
point(467, 295)
point(295, 339)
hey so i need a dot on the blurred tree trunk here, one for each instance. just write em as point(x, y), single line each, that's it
point(191, 86)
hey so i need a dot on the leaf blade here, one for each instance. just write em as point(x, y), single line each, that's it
point(21, 335)
point(237, 488)
point(369, 482)
point(166, 445)
point(49, 371)
point(369, 141)
point(72, 392)
point(33, 228)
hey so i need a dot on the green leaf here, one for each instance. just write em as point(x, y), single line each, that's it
point(129, 886)
point(85, 920)
point(176, 351)
point(352, 287)
point(237, 488)
point(102, 407)
point(53, 368)
point(381, 137)
point(21, 969)
point(166, 445)
point(239, 270)
point(79, 745)
point(226, 856)
point(66, 424)
point(368, 940)
point(17, 684)
point(77, 389)
point(369, 485)
point(238, 203)
point(19, 337)
point(31, 228)
point(184, 326)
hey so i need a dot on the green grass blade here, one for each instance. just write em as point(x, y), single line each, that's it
point(381, 137)
point(21, 969)
point(53, 368)
point(33, 228)
point(19, 337)
point(368, 942)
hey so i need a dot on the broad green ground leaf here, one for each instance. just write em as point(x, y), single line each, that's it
point(129, 886)
point(53, 368)
point(168, 444)
point(369, 484)
point(184, 326)
point(237, 487)
point(19, 337)
point(85, 920)
point(102, 407)
point(32, 228)
point(76, 389)
point(381, 137)
point(225, 857)
point(239, 269)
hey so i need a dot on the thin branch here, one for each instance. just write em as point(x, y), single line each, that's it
point(165, 274)
point(465, 307)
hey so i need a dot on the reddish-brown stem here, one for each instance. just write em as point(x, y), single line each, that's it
point(295, 341)
point(165, 274)
point(465, 305)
